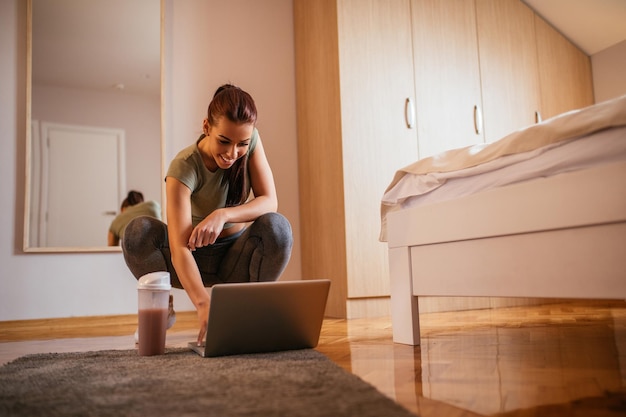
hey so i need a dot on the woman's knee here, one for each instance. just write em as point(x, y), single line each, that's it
point(143, 246)
point(142, 237)
point(275, 227)
point(142, 231)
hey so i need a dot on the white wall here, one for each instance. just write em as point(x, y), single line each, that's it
point(138, 115)
point(209, 42)
point(609, 67)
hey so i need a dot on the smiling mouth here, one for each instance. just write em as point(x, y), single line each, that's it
point(228, 161)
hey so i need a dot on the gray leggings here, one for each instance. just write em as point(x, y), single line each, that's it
point(260, 252)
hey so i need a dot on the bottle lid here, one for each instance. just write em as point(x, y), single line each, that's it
point(159, 280)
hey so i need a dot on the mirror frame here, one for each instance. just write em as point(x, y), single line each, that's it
point(27, 248)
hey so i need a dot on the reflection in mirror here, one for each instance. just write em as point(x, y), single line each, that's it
point(94, 118)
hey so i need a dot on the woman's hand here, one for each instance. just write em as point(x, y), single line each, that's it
point(208, 230)
point(179, 229)
point(203, 318)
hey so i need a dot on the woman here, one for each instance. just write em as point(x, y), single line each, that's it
point(207, 239)
point(132, 206)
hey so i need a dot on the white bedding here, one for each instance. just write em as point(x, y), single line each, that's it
point(575, 140)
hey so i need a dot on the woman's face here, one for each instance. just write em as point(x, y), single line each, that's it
point(227, 141)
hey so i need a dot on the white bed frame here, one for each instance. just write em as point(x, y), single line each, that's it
point(557, 237)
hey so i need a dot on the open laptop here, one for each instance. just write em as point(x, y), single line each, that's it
point(264, 317)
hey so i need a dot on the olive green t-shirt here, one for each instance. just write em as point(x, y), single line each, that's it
point(147, 208)
point(207, 191)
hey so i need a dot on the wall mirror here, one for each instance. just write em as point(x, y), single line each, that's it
point(94, 118)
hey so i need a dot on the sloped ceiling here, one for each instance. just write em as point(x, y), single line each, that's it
point(593, 25)
point(72, 38)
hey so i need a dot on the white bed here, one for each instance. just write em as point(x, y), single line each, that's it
point(540, 213)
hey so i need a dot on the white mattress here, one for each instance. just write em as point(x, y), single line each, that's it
point(600, 138)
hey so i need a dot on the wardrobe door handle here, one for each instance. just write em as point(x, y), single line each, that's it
point(409, 113)
point(478, 120)
point(538, 118)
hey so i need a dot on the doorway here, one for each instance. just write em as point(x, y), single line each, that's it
point(75, 159)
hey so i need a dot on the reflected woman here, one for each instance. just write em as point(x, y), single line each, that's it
point(222, 224)
point(132, 206)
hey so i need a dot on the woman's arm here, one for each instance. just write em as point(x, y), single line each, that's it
point(262, 181)
point(264, 201)
point(112, 240)
point(179, 227)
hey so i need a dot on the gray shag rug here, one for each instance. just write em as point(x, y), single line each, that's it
point(181, 383)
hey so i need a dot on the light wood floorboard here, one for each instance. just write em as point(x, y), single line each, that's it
point(554, 360)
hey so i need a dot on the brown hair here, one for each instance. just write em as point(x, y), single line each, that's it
point(237, 106)
point(133, 198)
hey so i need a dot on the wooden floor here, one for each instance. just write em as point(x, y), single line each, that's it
point(566, 359)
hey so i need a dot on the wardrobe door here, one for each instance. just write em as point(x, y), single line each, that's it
point(508, 66)
point(564, 72)
point(320, 171)
point(447, 75)
point(376, 76)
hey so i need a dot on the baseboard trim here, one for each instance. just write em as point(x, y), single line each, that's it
point(89, 326)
